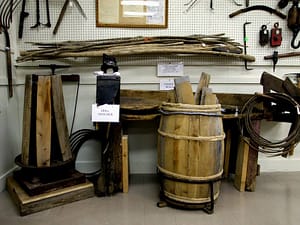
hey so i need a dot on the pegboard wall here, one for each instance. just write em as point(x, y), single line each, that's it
point(199, 19)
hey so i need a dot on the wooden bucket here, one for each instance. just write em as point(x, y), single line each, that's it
point(190, 152)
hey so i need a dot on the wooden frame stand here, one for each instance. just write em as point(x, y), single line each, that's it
point(31, 204)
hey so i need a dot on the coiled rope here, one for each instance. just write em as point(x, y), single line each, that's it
point(288, 106)
point(78, 138)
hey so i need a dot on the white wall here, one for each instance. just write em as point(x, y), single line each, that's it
point(227, 76)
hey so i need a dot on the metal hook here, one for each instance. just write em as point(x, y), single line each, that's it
point(245, 44)
point(295, 34)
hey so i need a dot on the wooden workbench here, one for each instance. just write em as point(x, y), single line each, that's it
point(240, 159)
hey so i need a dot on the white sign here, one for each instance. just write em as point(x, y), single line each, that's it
point(166, 84)
point(105, 113)
point(170, 69)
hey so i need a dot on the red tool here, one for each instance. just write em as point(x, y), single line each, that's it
point(276, 36)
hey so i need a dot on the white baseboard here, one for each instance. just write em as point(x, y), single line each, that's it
point(3, 178)
point(279, 164)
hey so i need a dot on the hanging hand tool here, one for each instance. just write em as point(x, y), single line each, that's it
point(236, 3)
point(63, 10)
point(247, 3)
point(53, 67)
point(38, 15)
point(276, 36)
point(6, 10)
point(38, 23)
point(283, 55)
point(23, 15)
point(48, 24)
point(294, 22)
point(258, 7)
point(245, 44)
point(275, 59)
point(8, 63)
point(263, 35)
point(283, 3)
point(276, 56)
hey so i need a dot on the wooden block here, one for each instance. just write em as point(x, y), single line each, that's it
point(241, 165)
point(43, 121)
point(125, 172)
point(184, 92)
point(203, 82)
point(26, 120)
point(60, 117)
point(31, 204)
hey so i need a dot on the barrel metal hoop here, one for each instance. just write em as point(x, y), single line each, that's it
point(212, 113)
point(199, 138)
point(197, 113)
point(189, 179)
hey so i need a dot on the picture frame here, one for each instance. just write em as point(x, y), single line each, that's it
point(132, 13)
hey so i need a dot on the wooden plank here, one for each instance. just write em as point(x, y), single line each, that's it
point(241, 165)
point(252, 162)
point(233, 99)
point(35, 185)
point(43, 121)
point(161, 96)
point(60, 117)
point(31, 204)
point(183, 90)
point(26, 120)
point(203, 82)
point(125, 172)
point(227, 152)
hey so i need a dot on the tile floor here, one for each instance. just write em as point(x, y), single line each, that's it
point(276, 201)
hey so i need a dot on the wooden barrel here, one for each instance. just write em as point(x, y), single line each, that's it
point(190, 152)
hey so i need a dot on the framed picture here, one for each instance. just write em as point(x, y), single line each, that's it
point(132, 13)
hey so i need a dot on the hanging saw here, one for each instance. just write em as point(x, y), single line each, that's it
point(63, 11)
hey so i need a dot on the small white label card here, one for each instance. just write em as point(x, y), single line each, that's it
point(105, 113)
point(166, 84)
point(171, 69)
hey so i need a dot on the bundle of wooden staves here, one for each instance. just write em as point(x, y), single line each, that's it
point(216, 44)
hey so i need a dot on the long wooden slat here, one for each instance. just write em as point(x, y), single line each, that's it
point(203, 82)
point(43, 121)
point(252, 161)
point(125, 172)
point(60, 117)
point(26, 120)
point(184, 92)
point(241, 165)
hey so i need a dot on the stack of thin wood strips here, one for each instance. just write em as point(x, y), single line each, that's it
point(216, 44)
